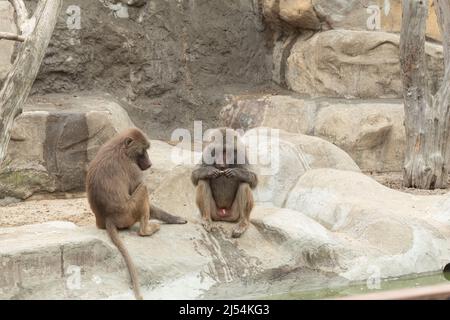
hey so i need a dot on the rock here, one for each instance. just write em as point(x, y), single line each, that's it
point(402, 234)
point(353, 64)
point(332, 230)
point(7, 24)
point(352, 15)
point(69, 263)
point(54, 139)
point(290, 113)
point(374, 15)
point(299, 14)
point(170, 168)
point(286, 157)
point(371, 132)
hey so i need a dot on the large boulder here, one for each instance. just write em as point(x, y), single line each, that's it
point(299, 14)
point(54, 139)
point(384, 15)
point(353, 64)
point(7, 24)
point(402, 234)
point(282, 158)
point(371, 132)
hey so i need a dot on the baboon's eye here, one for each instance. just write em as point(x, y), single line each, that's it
point(128, 141)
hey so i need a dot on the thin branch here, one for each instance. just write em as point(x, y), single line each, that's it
point(11, 36)
point(21, 14)
point(442, 8)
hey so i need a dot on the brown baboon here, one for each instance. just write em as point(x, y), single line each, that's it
point(225, 182)
point(117, 194)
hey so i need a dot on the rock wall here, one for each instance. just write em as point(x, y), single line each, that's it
point(353, 64)
point(381, 15)
point(344, 49)
point(167, 62)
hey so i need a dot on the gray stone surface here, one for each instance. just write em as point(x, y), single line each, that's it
point(53, 141)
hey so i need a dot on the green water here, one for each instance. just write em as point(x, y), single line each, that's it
point(421, 280)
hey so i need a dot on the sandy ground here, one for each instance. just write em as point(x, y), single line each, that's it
point(393, 180)
point(38, 211)
point(77, 210)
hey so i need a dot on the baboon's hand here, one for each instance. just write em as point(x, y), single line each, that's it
point(230, 173)
point(214, 173)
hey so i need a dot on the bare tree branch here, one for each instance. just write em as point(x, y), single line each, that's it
point(21, 14)
point(19, 81)
point(11, 36)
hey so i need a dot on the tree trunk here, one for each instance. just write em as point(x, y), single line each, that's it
point(426, 116)
point(18, 83)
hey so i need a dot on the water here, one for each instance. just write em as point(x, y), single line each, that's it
point(416, 281)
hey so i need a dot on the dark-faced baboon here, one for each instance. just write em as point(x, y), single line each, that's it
point(117, 195)
point(224, 182)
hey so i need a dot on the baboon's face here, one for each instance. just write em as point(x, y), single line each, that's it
point(225, 160)
point(137, 152)
point(143, 160)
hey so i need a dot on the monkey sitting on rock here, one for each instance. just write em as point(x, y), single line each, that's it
point(117, 195)
point(224, 182)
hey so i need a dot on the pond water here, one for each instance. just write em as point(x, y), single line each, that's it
point(415, 281)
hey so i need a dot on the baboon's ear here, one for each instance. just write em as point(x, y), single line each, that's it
point(128, 141)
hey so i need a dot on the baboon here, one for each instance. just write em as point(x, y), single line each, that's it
point(117, 194)
point(224, 183)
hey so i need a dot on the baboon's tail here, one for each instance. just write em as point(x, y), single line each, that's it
point(160, 214)
point(114, 235)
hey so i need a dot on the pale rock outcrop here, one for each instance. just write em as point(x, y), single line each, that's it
point(371, 132)
point(353, 64)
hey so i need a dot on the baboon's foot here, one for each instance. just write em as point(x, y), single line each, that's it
point(149, 229)
point(207, 225)
point(239, 230)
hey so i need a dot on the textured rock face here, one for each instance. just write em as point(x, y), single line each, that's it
point(54, 139)
point(6, 47)
point(164, 58)
point(384, 15)
point(371, 132)
point(353, 64)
